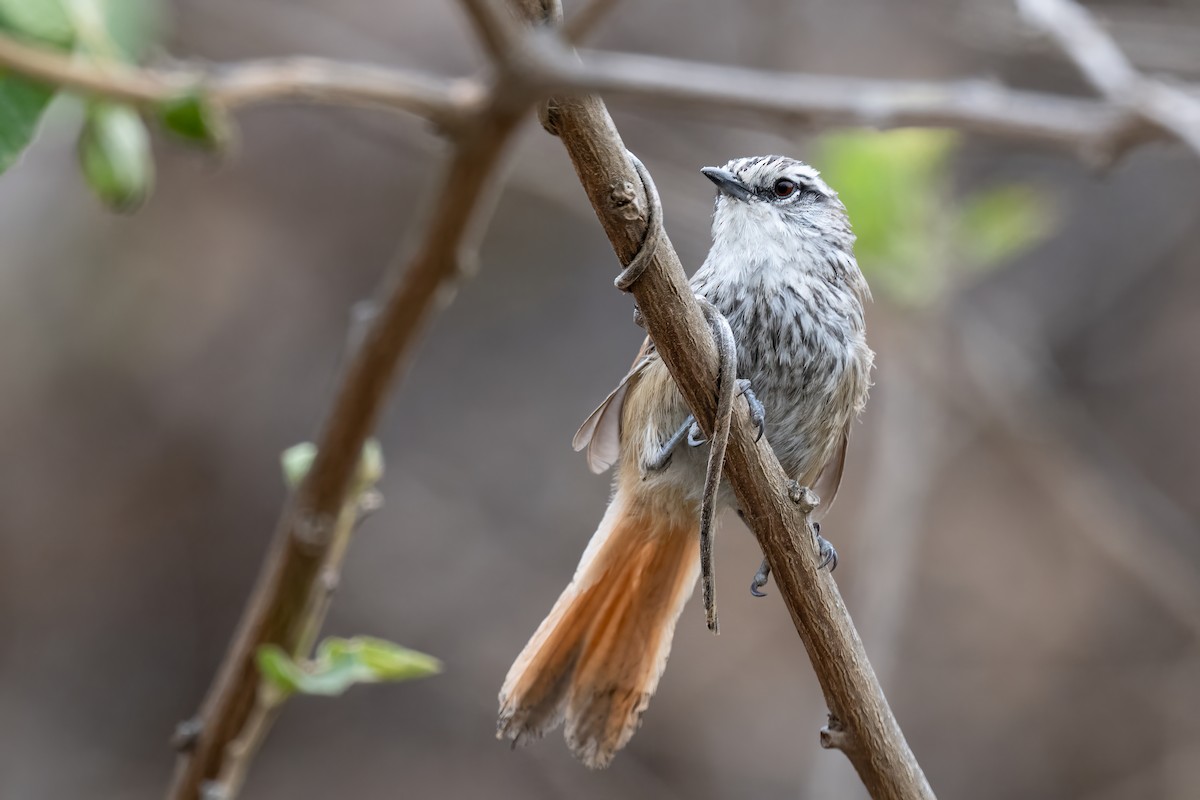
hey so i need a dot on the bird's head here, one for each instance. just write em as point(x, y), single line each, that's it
point(776, 200)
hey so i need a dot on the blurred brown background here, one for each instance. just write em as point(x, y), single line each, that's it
point(1018, 529)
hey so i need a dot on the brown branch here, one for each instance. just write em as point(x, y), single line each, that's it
point(241, 750)
point(1105, 67)
point(290, 575)
point(445, 102)
point(976, 106)
point(1099, 130)
point(865, 727)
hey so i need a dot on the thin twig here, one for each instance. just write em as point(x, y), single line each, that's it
point(1105, 67)
point(275, 613)
point(972, 105)
point(862, 723)
point(443, 101)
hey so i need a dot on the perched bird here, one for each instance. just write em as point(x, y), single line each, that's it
point(782, 271)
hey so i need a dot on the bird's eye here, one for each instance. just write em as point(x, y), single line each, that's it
point(784, 188)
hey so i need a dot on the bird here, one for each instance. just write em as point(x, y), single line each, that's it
point(781, 270)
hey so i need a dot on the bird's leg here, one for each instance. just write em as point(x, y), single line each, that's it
point(758, 414)
point(663, 457)
point(829, 558)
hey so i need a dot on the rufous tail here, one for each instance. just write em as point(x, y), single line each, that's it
point(595, 661)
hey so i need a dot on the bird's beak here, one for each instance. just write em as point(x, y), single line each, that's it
point(728, 183)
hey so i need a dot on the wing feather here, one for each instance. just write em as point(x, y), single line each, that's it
point(600, 433)
point(830, 478)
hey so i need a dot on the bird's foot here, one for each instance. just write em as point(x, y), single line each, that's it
point(663, 457)
point(758, 414)
point(828, 556)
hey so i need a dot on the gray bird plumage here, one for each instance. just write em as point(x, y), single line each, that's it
point(782, 272)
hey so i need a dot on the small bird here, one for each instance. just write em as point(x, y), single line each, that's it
point(782, 271)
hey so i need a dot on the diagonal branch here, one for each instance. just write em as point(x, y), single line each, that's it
point(861, 722)
point(1105, 67)
point(275, 613)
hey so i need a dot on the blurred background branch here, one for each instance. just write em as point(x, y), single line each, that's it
point(1103, 64)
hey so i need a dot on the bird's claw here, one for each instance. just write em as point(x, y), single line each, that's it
point(760, 579)
point(758, 414)
point(695, 436)
point(827, 553)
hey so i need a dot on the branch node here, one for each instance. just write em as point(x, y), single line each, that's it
point(549, 114)
point(183, 740)
point(213, 790)
point(313, 530)
point(803, 496)
point(834, 735)
point(624, 198)
point(330, 580)
point(625, 201)
point(369, 502)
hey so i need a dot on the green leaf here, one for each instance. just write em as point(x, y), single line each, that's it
point(43, 21)
point(297, 460)
point(21, 107)
point(195, 120)
point(384, 660)
point(998, 224)
point(114, 152)
point(22, 101)
point(278, 668)
point(341, 663)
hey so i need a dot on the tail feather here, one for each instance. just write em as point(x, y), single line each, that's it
point(596, 659)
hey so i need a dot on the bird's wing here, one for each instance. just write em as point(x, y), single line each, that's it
point(830, 477)
point(600, 433)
